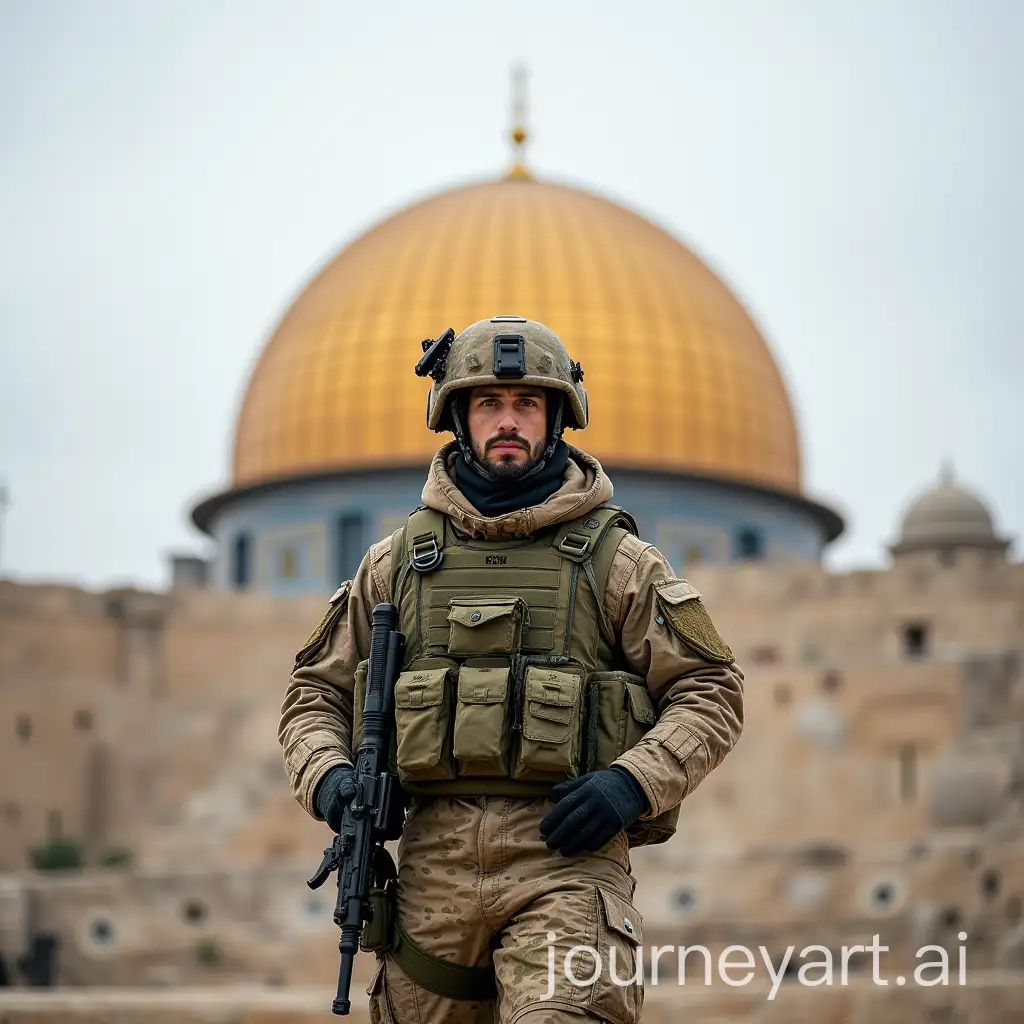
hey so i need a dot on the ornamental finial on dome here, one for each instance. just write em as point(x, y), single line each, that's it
point(519, 134)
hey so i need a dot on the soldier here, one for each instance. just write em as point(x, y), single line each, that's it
point(562, 692)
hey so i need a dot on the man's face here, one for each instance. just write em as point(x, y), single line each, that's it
point(508, 427)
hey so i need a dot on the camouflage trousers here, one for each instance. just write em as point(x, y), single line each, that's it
point(476, 882)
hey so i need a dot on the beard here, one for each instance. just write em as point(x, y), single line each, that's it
point(507, 470)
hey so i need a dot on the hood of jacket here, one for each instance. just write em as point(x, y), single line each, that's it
point(584, 487)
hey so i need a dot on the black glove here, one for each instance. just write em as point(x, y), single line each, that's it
point(592, 809)
point(333, 792)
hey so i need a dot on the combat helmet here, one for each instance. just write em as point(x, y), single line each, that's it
point(503, 350)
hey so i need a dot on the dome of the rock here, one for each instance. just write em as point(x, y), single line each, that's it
point(679, 377)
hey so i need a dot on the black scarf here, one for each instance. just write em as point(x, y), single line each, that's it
point(492, 498)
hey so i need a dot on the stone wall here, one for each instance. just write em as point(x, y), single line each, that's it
point(132, 928)
point(877, 787)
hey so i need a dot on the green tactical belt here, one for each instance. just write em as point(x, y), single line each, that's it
point(453, 981)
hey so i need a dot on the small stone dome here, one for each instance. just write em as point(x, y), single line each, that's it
point(948, 516)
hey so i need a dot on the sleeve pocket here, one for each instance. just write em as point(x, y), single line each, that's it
point(681, 607)
point(314, 646)
point(298, 757)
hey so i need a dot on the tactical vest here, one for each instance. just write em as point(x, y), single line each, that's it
point(513, 679)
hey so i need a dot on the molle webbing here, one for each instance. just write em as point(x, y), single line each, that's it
point(560, 573)
point(513, 678)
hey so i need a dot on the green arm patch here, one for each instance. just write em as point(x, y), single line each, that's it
point(312, 648)
point(690, 621)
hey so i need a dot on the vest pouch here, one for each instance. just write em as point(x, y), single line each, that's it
point(551, 716)
point(378, 934)
point(489, 625)
point(482, 713)
point(619, 713)
point(641, 716)
point(423, 718)
point(641, 712)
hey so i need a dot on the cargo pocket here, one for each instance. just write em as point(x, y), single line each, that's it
point(381, 1011)
point(487, 626)
point(618, 992)
point(551, 725)
point(619, 711)
point(482, 721)
point(423, 702)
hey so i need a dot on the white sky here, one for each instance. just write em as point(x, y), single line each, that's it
point(171, 172)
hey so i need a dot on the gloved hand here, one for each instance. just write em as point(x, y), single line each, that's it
point(592, 809)
point(333, 792)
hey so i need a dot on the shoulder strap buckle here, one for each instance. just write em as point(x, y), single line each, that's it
point(575, 545)
point(426, 553)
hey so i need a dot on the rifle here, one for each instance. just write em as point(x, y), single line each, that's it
point(374, 814)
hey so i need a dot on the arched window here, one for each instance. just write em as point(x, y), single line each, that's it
point(749, 543)
point(349, 545)
point(241, 555)
point(915, 640)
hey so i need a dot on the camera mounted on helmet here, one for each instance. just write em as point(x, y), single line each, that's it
point(435, 356)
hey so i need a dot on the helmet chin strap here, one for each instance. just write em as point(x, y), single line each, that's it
point(555, 430)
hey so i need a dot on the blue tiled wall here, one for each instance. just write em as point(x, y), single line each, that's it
point(679, 515)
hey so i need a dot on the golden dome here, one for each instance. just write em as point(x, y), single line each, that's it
point(679, 378)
